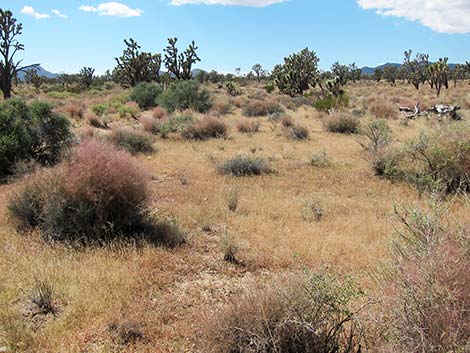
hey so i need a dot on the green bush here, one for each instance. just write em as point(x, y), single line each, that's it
point(133, 141)
point(341, 123)
point(182, 95)
point(330, 102)
point(100, 109)
point(175, 123)
point(31, 132)
point(145, 94)
point(245, 166)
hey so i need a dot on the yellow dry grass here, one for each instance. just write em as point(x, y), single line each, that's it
point(170, 293)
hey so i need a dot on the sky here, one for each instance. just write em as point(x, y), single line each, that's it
point(65, 35)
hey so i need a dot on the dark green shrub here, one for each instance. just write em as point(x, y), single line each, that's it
point(245, 166)
point(182, 95)
point(32, 132)
point(330, 102)
point(132, 141)
point(206, 128)
point(145, 94)
point(270, 87)
point(98, 195)
point(51, 133)
point(341, 123)
point(311, 314)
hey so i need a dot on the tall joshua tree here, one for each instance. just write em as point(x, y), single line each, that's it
point(180, 64)
point(439, 75)
point(9, 46)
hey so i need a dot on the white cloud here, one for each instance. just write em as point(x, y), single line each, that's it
point(58, 13)
point(28, 10)
point(445, 16)
point(87, 8)
point(115, 9)
point(253, 3)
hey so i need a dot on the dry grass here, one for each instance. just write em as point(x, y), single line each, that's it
point(167, 292)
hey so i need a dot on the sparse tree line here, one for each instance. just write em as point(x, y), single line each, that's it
point(298, 74)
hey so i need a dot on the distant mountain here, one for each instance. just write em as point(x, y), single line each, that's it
point(367, 70)
point(41, 72)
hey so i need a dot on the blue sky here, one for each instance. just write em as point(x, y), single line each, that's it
point(66, 35)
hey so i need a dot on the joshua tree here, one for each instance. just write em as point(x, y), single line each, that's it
point(238, 70)
point(180, 64)
point(390, 73)
point(378, 74)
point(334, 86)
point(439, 75)
point(258, 70)
point(341, 71)
point(9, 46)
point(298, 73)
point(134, 66)
point(87, 76)
point(355, 73)
point(416, 69)
point(31, 77)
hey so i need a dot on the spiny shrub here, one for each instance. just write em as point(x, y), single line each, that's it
point(206, 128)
point(183, 95)
point(330, 102)
point(312, 314)
point(257, 107)
point(229, 247)
point(270, 87)
point(145, 94)
point(426, 285)
point(376, 136)
point(100, 194)
point(245, 166)
point(319, 159)
point(437, 160)
point(132, 141)
point(298, 132)
point(248, 126)
point(31, 132)
point(341, 123)
point(42, 298)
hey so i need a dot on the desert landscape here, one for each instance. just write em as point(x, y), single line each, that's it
point(158, 209)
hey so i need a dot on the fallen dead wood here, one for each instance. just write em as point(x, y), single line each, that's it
point(440, 109)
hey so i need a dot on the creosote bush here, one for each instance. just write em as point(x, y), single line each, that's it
point(31, 132)
point(98, 195)
point(301, 314)
point(376, 136)
point(206, 128)
point(342, 123)
point(182, 95)
point(245, 166)
point(132, 141)
point(330, 102)
point(145, 94)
